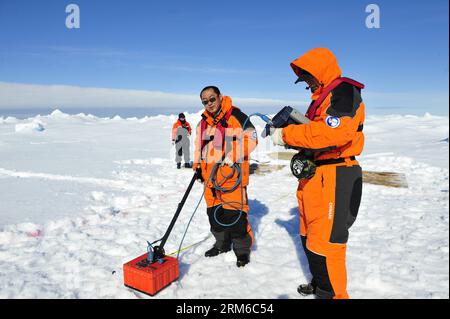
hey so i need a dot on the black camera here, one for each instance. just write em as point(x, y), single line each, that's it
point(302, 166)
point(285, 117)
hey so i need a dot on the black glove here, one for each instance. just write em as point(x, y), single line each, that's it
point(198, 172)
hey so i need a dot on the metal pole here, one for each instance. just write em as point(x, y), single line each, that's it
point(177, 213)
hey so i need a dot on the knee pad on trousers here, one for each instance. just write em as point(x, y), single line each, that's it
point(218, 217)
point(239, 229)
point(355, 201)
point(212, 221)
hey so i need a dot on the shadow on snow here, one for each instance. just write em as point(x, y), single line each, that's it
point(292, 226)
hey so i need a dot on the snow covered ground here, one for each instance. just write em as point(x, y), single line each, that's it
point(80, 195)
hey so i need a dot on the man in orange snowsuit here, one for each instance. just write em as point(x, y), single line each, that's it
point(181, 130)
point(225, 137)
point(328, 201)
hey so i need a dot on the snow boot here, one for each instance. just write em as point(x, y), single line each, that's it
point(306, 289)
point(242, 260)
point(178, 165)
point(187, 165)
point(215, 251)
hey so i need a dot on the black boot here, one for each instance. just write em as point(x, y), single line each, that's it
point(178, 165)
point(187, 165)
point(242, 260)
point(306, 289)
point(215, 251)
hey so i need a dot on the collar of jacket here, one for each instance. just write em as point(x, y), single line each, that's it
point(225, 107)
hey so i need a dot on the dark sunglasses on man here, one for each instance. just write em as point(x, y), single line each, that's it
point(211, 100)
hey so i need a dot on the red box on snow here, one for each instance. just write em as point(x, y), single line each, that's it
point(150, 278)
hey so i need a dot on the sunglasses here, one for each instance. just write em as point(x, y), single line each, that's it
point(211, 100)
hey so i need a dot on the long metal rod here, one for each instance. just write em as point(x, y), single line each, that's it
point(177, 213)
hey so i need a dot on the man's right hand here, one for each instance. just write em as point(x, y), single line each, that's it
point(276, 135)
point(198, 171)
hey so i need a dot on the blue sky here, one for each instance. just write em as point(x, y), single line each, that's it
point(244, 47)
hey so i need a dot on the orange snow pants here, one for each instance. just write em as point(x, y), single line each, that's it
point(328, 204)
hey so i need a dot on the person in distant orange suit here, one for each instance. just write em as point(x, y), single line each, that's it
point(181, 131)
point(225, 137)
point(328, 201)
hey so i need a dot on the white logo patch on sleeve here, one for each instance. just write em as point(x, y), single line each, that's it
point(333, 121)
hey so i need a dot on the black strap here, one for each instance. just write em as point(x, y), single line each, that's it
point(206, 141)
point(333, 161)
point(360, 128)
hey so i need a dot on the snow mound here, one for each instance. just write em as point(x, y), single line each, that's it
point(8, 120)
point(34, 126)
point(58, 113)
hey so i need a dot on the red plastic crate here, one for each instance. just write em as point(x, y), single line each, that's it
point(152, 278)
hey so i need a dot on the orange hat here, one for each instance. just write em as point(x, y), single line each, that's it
point(321, 63)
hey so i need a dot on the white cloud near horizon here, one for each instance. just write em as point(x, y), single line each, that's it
point(19, 95)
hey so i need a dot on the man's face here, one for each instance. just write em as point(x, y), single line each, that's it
point(313, 84)
point(310, 80)
point(211, 101)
